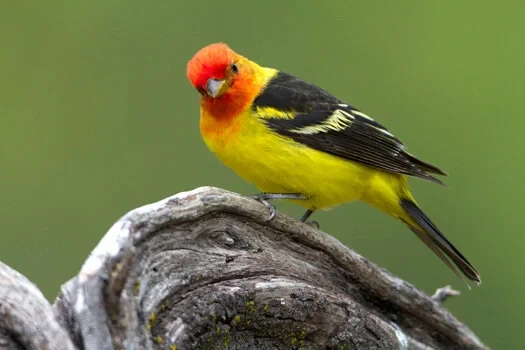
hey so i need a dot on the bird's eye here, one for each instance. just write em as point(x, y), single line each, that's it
point(235, 68)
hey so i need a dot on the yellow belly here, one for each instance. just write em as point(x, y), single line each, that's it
point(325, 180)
point(279, 165)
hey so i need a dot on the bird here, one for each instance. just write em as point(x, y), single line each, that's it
point(296, 141)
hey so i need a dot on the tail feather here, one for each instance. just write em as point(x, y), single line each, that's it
point(435, 240)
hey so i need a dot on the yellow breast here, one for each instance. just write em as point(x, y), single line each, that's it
point(277, 164)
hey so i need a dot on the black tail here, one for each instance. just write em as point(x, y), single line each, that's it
point(436, 241)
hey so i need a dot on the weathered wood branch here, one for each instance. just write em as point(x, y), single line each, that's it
point(26, 318)
point(203, 269)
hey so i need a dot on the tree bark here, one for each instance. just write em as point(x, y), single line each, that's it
point(205, 270)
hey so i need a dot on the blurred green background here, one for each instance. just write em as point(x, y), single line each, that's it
point(97, 118)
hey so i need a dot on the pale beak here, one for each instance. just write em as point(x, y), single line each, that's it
point(215, 87)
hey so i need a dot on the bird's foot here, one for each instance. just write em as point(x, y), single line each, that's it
point(305, 217)
point(265, 199)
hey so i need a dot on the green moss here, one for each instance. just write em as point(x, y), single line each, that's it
point(136, 288)
point(302, 335)
point(173, 347)
point(151, 321)
point(250, 306)
point(164, 304)
point(266, 306)
point(236, 320)
point(227, 340)
point(295, 338)
point(158, 339)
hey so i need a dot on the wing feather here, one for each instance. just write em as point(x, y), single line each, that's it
point(319, 120)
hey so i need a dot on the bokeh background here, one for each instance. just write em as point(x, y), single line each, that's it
point(97, 118)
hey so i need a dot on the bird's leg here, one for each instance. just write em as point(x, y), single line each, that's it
point(305, 217)
point(264, 198)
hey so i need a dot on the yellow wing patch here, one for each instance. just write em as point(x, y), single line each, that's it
point(273, 113)
point(338, 121)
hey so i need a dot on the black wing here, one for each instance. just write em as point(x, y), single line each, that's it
point(325, 123)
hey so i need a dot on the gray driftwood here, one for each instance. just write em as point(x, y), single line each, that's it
point(204, 270)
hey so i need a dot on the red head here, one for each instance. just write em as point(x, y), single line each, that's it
point(223, 78)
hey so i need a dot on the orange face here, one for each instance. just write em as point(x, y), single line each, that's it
point(210, 66)
point(223, 78)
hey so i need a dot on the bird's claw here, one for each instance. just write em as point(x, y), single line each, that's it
point(265, 198)
point(262, 198)
point(271, 208)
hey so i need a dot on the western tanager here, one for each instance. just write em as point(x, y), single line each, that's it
point(296, 141)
